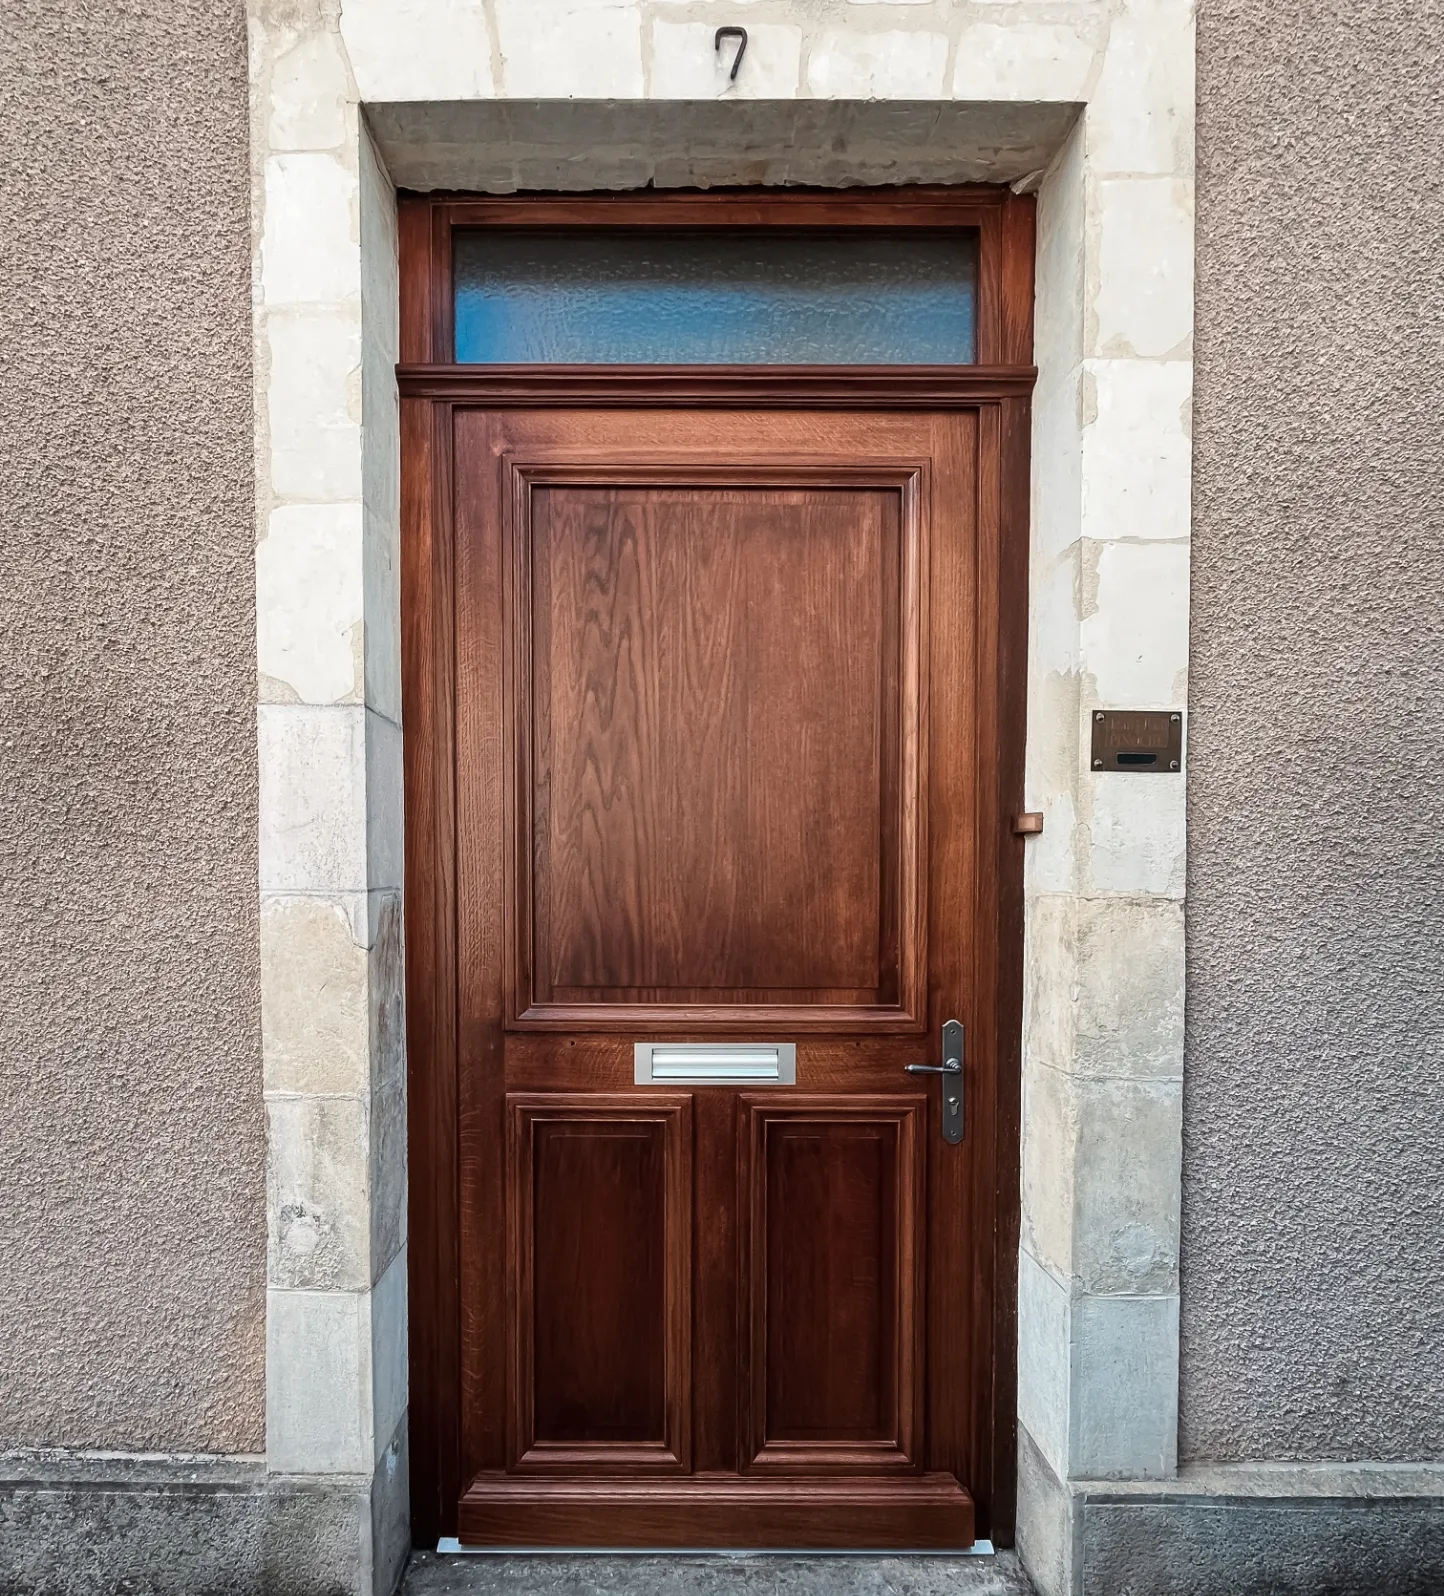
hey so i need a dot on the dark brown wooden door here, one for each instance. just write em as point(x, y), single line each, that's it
point(725, 768)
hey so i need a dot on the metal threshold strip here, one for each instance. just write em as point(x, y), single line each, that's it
point(450, 1546)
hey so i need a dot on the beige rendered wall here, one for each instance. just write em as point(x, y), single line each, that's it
point(132, 1160)
point(131, 1142)
point(1313, 1250)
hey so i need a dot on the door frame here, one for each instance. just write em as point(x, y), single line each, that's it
point(999, 387)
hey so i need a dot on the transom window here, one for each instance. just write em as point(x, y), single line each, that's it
point(734, 296)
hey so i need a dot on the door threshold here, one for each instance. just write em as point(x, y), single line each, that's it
point(450, 1546)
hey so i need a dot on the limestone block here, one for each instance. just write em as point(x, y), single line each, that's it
point(318, 1192)
point(1050, 861)
point(388, 1325)
point(1128, 1015)
point(387, 1175)
point(313, 402)
point(591, 49)
point(1050, 986)
point(687, 66)
point(1124, 1418)
point(1044, 1523)
point(309, 603)
point(1134, 632)
point(311, 102)
point(418, 49)
point(318, 1382)
point(1022, 61)
point(1057, 494)
point(1143, 295)
point(384, 803)
point(312, 798)
point(1140, 114)
point(1127, 1178)
point(380, 439)
point(381, 585)
point(891, 64)
point(1135, 833)
point(309, 244)
point(1136, 449)
point(1043, 1359)
point(1060, 274)
point(317, 1015)
point(1049, 1153)
point(386, 976)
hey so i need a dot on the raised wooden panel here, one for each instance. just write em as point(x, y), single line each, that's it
point(717, 680)
point(599, 1201)
point(832, 1270)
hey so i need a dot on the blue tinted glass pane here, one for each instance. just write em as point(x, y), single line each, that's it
point(734, 297)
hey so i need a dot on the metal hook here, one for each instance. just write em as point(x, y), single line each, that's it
point(740, 34)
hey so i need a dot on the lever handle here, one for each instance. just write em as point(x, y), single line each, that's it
point(951, 1070)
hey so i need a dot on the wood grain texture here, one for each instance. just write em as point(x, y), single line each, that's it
point(833, 1274)
point(599, 1224)
point(617, 468)
point(719, 387)
point(715, 683)
point(909, 1513)
point(718, 697)
point(431, 981)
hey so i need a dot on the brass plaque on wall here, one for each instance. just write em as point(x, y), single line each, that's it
point(1140, 741)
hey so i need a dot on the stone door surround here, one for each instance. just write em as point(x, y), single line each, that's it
point(1094, 113)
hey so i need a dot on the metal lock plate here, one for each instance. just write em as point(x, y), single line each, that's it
point(1143, 742)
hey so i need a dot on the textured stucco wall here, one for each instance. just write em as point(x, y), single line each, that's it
point(1313, 1250)
point(132, 1209)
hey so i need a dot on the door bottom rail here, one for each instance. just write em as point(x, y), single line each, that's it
point(928, 1512)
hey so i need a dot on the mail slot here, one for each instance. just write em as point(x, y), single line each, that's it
point(715, 1063)
point(1142, 741)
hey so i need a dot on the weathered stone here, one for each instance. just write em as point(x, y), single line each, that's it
point(895, 65)
point(1142, 304)
point(318, 1383)
point(319, 1192)
point(313, 363)
point(96, 1525)
point(316, 1014)
point(572, 47)
point(309, 603)
point(1123, 1419)
point(1022, 60)
point(314, 812)
point(686, 65)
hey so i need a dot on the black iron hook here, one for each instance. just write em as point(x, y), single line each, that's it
point(740, 34)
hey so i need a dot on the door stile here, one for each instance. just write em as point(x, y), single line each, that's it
point(483, 672)
point(952, 720)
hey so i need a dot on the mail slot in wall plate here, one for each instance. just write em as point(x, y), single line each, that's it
point(716, 1063)
point(1143, 742)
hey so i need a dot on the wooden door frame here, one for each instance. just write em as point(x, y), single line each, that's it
point(999, 387)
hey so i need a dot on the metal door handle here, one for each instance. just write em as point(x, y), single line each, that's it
point(951, 1070)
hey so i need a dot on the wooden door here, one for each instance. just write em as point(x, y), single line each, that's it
point(724, 762)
